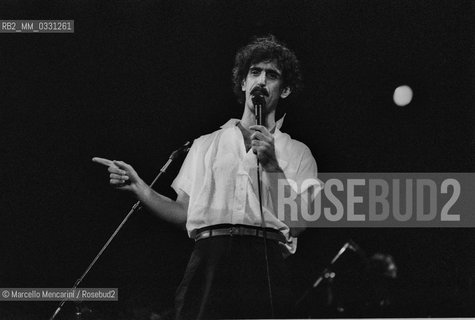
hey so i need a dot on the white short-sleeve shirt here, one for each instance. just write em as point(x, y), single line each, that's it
point(220, 178)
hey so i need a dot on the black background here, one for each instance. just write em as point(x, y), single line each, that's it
point(139, 78)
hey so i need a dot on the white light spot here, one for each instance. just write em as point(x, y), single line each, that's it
point(402, 96)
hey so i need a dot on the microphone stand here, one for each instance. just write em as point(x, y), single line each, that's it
point(258, 102)
point(326, 273)
point(136, 207)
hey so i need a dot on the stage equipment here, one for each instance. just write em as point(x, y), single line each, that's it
point(136, 207)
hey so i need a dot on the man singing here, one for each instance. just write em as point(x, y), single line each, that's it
point(233, 272)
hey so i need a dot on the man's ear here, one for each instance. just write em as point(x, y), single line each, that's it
point(285, 92)
point(243, 85)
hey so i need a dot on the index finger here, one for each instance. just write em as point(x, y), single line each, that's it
point(105, 162)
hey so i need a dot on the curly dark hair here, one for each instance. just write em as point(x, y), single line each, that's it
point(261, 49)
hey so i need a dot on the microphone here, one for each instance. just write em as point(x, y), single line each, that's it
point(177, 152)
point(353, 246)
point(259, 101)
point(357, 249)
point(258, 114)
point(258, 94)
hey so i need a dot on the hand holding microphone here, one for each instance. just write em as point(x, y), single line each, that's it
point(262, 141)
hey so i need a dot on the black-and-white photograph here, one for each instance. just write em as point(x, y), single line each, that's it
point(257, 159)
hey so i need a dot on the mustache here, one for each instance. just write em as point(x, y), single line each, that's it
point(259, 91)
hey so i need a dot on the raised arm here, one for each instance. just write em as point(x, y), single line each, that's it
point(124, 177)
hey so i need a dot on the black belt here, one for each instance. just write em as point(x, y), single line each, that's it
point(238, 230)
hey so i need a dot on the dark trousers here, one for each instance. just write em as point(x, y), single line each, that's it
point(226, 278)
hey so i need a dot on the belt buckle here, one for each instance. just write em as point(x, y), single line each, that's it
point(233, 231)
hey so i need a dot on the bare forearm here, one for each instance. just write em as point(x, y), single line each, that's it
point(161, 206)
point(124, 177)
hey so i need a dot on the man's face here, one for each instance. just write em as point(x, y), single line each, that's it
point(268, 76)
